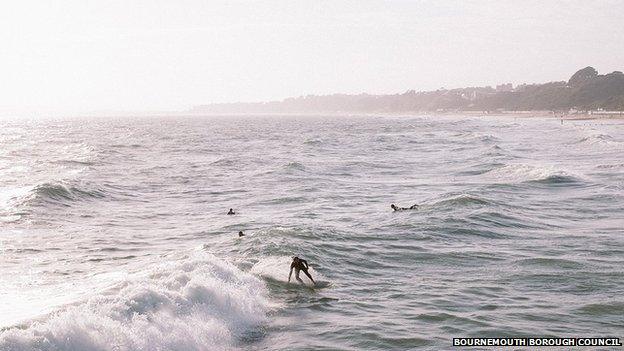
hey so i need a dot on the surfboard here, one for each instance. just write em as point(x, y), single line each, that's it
point(294, 284)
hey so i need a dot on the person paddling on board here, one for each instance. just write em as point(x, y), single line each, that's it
point(299, 265)
point(231, 212)
point(396, 208)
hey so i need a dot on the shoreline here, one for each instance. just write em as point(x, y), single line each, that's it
point(606, 115)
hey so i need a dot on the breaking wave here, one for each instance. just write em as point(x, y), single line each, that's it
point(59, 192)
point(520, 173)
point(602, 140)
point(20, 199)
point(198, 302)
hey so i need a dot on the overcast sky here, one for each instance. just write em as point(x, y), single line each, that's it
point(81, 55)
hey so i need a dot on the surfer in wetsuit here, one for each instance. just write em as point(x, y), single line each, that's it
point(299, 265)
point(231, 212)
point(396, 208)
point(241, 234)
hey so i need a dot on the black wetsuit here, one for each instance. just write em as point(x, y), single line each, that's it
point(300, 265)
point(413, 207)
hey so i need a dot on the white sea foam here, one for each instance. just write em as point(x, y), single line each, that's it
point(195, 303)
point(10, 198)
point(602, 140)
point(518, 173)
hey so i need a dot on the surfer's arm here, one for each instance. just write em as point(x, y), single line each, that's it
point(290, 273)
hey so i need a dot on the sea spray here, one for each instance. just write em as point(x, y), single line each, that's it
point(198, 302)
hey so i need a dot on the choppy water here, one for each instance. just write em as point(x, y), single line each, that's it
point(114, 234)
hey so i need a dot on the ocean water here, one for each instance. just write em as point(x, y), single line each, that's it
point(114, 233)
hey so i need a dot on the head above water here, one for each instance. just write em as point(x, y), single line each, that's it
point(393, 206)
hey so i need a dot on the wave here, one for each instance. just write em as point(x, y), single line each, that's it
point(477, 137)
point(558, 179)
point(602, 140)
point(547, 262)
point(460, 200)
point(313, 141)
point(20, 201)
point(58, 192)
point(610, 166)
point(17, 202)
point(49, 192)
point(295, 166)
point(487, 138)
point(496, 151)
point(596, 138)
point(283, 200)
point(520, 173)
point(198, 302)
point(74, 163)
point(225, 162)
point(615, 308)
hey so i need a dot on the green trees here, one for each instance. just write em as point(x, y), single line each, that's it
point(582, 76)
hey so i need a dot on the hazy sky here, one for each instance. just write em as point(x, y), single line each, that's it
point(81, 55)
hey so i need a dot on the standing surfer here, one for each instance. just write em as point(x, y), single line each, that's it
point(299, 265)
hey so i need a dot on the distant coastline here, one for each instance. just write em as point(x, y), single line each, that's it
point(586, 93)
point(583, 115)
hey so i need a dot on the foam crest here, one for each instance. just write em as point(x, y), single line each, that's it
point(59, 193)
point(15, 202)
point(195, 303)
point(519, 173)
point(602, 140)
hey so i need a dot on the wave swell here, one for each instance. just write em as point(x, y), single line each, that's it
point(58, 192)
point(462, 200)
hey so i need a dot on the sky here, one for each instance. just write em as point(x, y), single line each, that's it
point(67, 56)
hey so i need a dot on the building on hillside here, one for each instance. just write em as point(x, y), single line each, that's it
point(504, 87)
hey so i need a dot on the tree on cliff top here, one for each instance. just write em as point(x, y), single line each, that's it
point(586, 74)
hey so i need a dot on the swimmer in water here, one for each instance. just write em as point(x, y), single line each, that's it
point(396, 208)
point(231, 212)
point(299, 265)
point(240, 234)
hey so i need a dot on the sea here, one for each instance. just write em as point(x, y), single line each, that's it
point(114, 233)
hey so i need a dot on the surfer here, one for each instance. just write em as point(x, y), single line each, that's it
point(241, 233)
point(231, 212)
point(396, 208)
point(299, 265)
